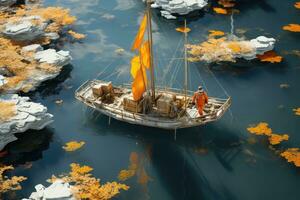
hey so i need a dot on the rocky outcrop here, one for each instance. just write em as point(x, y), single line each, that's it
point(48, 64)
point(178, 7)
point(28, 115)
point(26, 28)
point(6, 3)
point(231, 48)
point(56, 191)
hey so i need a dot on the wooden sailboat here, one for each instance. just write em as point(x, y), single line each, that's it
point(144, 103)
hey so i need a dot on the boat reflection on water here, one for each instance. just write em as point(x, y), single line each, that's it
point(29, 147)
point(177, 163)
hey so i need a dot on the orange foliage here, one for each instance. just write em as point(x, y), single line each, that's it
point(85, 186)
point(183, 29)
point(297, 5)
point(277, 139)
point(9, 184)
point(263, 129)
point(297, 111)
point(75, 35)
point(73, 145)
point(292, 155)
point(292, 27)
point(7, 110)
point(220, 11)
point(214, 33)
point(270, 56)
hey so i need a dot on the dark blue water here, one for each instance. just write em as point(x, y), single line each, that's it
point(212, 162)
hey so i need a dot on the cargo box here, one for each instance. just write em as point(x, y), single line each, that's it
point(102, 88)
point(164, 104)
point(131, 105)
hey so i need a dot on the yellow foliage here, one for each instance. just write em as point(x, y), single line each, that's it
point(297, 111)
point(183, 29)
point(7, 110)
point(85, 186)
point(270, 56)
point(261, 129)
point(297, 5)
point(220, 11)
point(214, 33)
point(292, 155)
point(9, 184)
point(75, 35)
point(277, 139)
point(292, 27)
point(73, 145)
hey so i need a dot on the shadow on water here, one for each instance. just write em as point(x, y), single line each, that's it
point(53, 86)
point(179, 172)
point(29, 147)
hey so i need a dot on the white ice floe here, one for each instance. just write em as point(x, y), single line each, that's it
point(28, 115)
point(59, 190)
point(178, 7)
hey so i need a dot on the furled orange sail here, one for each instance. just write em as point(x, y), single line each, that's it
point(138, 85)
point(140, 35)
point(145, 54)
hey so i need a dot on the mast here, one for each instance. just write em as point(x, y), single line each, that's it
point(149, 30)
point(185, 65)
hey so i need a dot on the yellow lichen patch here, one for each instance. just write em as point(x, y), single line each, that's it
point(277, 139)
point(85, 186)
point(261, 129)
point(214, 33)
point(297, 111)
point(270, 56)
point(297, 5)
point(75, 35)
point(292, 155)
point(7, 110)
point(73, 145)
point(220, 11)
point(9, 184)
point(292, 27)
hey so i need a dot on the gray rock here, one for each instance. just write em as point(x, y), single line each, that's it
point(6, 3)
point(2, 80)
point(4, 71)
point(32, 48)
point(24, 29)
point(59, 190)
point(180, 7)
point(29, 115)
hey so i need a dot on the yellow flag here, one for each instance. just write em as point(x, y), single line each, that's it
point(183, 29)
point(140, 35)
point(138, 86)
point(145, 54)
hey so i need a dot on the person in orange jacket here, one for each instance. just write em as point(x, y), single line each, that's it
point(200, 98)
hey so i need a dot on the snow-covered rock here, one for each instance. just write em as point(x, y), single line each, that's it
point(26, 28)
point(54, 60)
point(51, 56)
point(180, 7)
point(28, 115)
point(56, 191)
point(5, 3)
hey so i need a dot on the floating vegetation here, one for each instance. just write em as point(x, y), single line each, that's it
point(292, 155)
point(9, 184)
point(270, 56)
point(7, 110)
point(220, 10)
point(85, 186)
point(75, 35)
point(264, 129)
point(73, 146)
point(214, 33)
point(292, 27)
point(297, 111)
